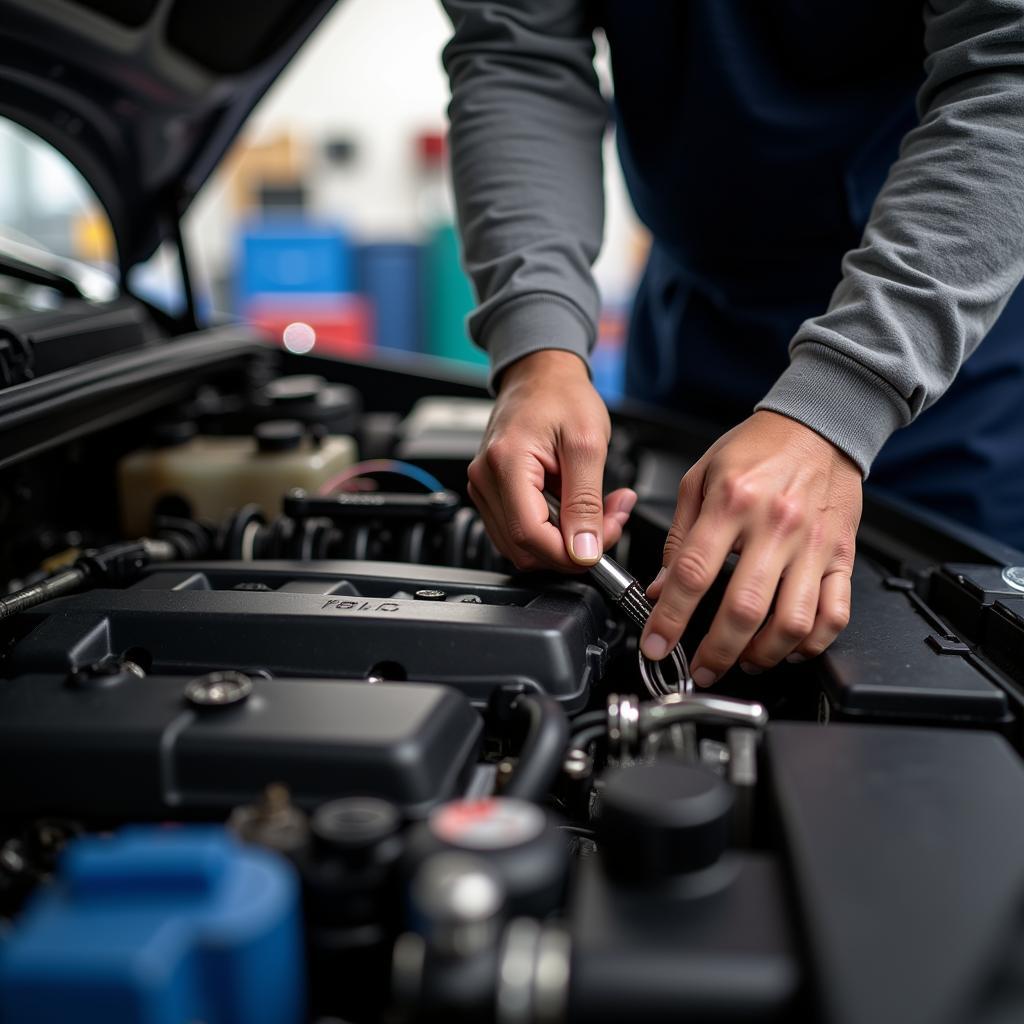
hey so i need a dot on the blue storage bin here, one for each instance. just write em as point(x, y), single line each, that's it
point(285, 256)
point(608, 367)
point(389, 275)
point(159, 925)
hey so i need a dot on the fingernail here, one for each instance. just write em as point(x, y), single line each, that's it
point(750, 668)
point(703, 676)
point(585, 547)
point(657, 579)
point(654, 647)
point(795, 659)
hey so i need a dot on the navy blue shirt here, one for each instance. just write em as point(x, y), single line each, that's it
point(754, 138)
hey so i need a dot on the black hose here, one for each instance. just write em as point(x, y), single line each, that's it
point(543, 751)
point(589, 718)
point(582, 739)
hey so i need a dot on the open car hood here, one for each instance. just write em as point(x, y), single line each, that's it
point(144, 96)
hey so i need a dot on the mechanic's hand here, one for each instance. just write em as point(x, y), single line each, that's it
point(549, 428)
point(789, 502)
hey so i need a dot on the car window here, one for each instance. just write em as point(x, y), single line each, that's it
point(51, 218)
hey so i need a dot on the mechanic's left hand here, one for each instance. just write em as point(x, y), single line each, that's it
point(788, 502)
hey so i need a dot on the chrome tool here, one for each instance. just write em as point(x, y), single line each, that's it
point(627, 592)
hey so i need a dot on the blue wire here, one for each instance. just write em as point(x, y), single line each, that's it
point(417, 474)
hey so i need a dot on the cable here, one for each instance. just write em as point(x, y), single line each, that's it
point(117, 563)
point(65, 582)
point(395, 466)
point(579, 830)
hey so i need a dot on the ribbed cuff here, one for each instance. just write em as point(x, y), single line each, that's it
point(532, 323)
point(838, 398)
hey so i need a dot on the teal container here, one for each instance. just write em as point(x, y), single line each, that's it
point(447, 299)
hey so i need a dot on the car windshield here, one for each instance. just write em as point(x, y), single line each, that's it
point(55, 238)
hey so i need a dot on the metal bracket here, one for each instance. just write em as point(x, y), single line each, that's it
point(947, 644)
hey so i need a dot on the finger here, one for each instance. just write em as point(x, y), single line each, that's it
point(832, 618)
point(743, 610)
point(688, 505)
point(492, 523)
point(791, 621)
point(617, 508)
point(581, 460)
point(518, 501)
point(687, 578)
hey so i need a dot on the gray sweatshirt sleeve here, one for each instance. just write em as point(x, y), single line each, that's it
point(942, 252)
point(527, 121)
point(943, 249)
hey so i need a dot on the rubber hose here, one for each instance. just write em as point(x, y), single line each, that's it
point(543, 750)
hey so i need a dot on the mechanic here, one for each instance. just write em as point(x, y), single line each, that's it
point(779, 154)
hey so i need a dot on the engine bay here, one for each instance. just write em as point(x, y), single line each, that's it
point(266, 683)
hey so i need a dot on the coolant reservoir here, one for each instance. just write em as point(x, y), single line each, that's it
point(215, 475)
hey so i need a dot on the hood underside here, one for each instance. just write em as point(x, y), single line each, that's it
point(144, 96)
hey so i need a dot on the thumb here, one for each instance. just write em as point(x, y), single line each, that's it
point(582, 515)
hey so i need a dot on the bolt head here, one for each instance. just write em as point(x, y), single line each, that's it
point(218, 689)
point(1013, 576)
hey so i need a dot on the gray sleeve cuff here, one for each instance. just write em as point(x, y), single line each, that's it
point(839, 399)
point(532, 323)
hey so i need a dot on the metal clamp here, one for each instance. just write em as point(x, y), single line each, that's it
point(626, 592)
point(623, 726)
point(629, 724)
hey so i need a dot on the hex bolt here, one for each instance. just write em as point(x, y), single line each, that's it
point(218, 689)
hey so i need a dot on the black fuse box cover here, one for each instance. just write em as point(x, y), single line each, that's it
point(891, 663)
point(1003, 641)
point(907, 854)
point(963, 594)
point(351, 620)
point(136, 748)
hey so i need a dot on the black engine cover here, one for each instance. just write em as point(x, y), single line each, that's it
point(350, 620)
point(123, 747)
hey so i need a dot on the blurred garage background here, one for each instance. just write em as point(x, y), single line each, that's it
point(331, 222)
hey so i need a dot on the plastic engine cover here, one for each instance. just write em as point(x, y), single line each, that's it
point(155, 926)
point(120, 746)
point(467, 629)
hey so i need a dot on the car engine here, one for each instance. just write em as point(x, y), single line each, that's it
point(283, 738)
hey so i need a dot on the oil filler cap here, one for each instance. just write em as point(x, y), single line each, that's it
point(490, 824)
point(515, 838)
point(355, 823)
point(279, 435)
point(663, 820)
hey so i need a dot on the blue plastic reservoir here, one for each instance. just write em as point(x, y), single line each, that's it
point(159, 926)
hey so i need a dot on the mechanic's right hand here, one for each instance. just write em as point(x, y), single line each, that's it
point(549, 430)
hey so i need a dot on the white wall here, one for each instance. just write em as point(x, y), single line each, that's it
point(372, 72)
